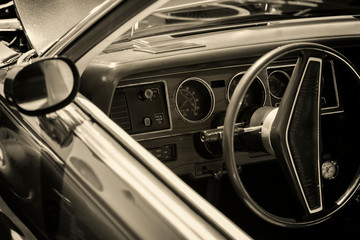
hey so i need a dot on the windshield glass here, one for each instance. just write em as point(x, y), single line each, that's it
point(46, 24)
point(179, 15)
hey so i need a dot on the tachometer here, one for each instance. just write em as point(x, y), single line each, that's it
point(255, 95)
point(278, 81)
point(194, 100)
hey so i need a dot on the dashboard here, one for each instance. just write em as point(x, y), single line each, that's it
point(167, 100)
point(167, 113)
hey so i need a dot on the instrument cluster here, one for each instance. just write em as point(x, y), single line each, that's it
point(195, 99)
point(200, 97)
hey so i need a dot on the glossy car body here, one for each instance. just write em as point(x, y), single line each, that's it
point(139, 150)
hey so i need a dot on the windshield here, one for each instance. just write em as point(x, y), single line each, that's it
point(179, 15)
point(46, 24)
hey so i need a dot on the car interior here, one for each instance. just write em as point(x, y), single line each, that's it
point(170, 91)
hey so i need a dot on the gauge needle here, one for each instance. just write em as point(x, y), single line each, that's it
point(187, 100)
point(184, 103)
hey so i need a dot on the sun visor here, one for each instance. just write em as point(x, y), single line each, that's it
point(46, 21)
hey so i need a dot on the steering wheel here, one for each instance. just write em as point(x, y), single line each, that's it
point(292, 133)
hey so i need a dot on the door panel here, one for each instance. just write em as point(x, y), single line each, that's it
point(29, 179)
point(36, 186)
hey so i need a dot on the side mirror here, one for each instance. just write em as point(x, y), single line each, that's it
point(43, 86)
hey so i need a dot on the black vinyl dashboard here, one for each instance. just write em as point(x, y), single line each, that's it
point(166, 100)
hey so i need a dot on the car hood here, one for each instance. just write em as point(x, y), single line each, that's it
point(44, 22)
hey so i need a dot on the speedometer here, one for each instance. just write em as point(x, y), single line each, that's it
point(194, 100)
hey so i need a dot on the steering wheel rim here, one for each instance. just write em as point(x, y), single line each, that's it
point(307, 51)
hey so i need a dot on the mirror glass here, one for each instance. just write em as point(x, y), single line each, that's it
point(43, 84)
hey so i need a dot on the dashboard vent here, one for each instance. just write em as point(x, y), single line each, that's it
point(203, 12)
point(214, 12)
point(119, 112)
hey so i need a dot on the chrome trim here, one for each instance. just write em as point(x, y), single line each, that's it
point(242, 73)
point(356, 183)
point(33, 122)
point(210, 91)
point(354, 187)
point(240, 11)
point(266, 130)
point(167, 105)
point(5, 5)
point(25, 233)
point(336, 92)
point(280, 66)
point(334, 80)
point(95, 15)
point(10, 25)
point(344, 61)
point(311, 211)
point(163, 136)
point(203, 207)
point(277, 71)
point(216, 134)
point(332, 112)
point(2, 158)
point(142, 182)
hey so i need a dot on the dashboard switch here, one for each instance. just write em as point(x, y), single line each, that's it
point(147, 121)
point(148, 94)
point(159, 118)
point(165, 153)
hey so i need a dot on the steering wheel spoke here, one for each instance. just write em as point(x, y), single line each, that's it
point(296, 132)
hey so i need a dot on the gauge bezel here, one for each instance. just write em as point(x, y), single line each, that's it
point(256, 79)
point(209, 91)
point(285, 74)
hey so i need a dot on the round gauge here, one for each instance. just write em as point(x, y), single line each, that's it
point(255, 96)
point(278, 81)
point(329, 170)
point(194, 100)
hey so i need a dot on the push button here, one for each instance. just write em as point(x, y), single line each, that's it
point(147, 121)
